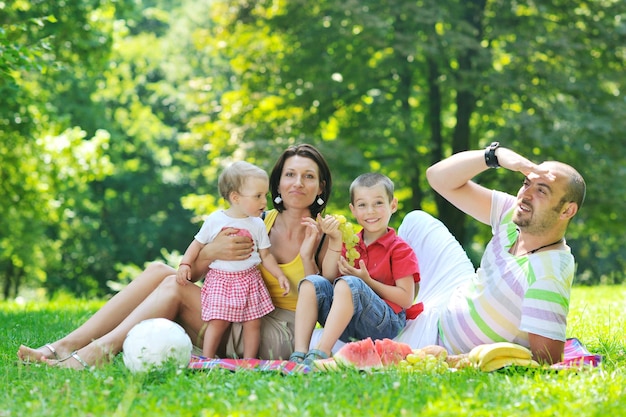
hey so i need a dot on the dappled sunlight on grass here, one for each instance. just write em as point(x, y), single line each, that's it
point(37, 323)
point(60, 302)
point(597, 317)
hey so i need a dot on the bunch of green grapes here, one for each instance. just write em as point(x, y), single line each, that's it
point(424, 363)
point(349, 238)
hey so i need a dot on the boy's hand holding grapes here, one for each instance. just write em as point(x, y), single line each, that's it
point(330, 226)
point(330, 265)
point(340, 234)
point(349, 239)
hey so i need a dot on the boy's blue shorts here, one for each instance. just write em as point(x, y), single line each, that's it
point(373, 317)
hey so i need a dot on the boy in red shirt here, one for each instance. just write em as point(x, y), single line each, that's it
point(370, 300)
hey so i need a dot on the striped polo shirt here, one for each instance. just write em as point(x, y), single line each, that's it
point(509, 296)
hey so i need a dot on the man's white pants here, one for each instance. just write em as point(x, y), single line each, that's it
point(444, 266)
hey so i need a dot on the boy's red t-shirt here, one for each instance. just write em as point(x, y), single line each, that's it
point(387, 259)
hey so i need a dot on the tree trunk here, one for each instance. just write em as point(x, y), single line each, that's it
point(452, 217)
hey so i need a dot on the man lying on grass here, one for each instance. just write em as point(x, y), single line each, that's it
point(521, 291)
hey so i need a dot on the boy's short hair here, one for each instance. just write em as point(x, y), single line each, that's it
point(371, 179)
point(234, 176)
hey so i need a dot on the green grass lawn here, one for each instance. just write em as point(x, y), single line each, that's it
point(597, 318)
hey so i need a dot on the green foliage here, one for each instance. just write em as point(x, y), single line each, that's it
point(398, 85)
point(596, 318)
point(49, 185)
point(47, 163)
point(181, 88)
point(80, 209)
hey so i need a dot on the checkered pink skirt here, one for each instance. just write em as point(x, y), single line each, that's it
point(235, 296)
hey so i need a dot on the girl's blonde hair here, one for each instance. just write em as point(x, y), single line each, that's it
point(235, 175)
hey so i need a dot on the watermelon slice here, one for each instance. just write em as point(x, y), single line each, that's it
point(391, 352)
point(361, 355)
point(327, 364)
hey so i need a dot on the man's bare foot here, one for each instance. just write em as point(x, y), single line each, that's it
point(41, 354)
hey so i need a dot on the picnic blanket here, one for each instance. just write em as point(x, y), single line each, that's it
point(285, 367)
point(575, 355)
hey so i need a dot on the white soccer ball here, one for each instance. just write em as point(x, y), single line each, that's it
point(154, 342)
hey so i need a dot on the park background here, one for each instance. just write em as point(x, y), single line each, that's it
point(116, 117)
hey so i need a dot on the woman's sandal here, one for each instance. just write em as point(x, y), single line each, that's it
point(313, 355)
point(78, 359)
point(297, 357)
point(53, 350)
point(28, 361)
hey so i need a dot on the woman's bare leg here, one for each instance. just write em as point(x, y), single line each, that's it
point(180, 303)
point(105, 319)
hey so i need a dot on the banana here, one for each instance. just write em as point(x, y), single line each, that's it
point(474, 355)
point(500, 362)
point(502, 349)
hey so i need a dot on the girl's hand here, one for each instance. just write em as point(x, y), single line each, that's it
point(284, 284)
point(183, 275)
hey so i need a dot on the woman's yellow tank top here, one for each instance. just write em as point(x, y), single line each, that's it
point(294, 271)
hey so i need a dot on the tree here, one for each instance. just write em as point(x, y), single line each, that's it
point(80, 214)
point(38, 40)
point(117, 117)
point(404, 84)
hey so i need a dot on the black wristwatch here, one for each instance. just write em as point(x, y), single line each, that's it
point(490, 155)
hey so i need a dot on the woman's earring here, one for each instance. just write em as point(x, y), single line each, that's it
point(319, 200)
point(278, 199)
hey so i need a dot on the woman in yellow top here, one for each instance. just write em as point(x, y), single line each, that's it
point(300, 185)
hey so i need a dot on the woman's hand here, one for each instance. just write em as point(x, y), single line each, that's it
point(227, 246)
point(312, 235)
point(308, 248)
